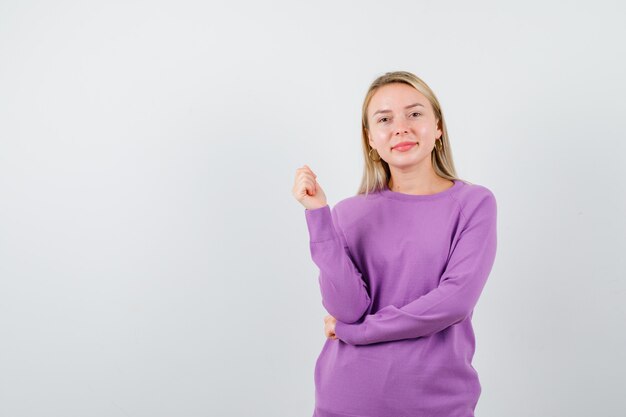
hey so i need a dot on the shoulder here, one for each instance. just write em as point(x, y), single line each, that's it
point(473, 191)
point(475, 198)
point(351, 210)
point(357, 203)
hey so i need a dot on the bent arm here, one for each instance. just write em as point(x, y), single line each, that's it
point(344, 293)
point(452, 301)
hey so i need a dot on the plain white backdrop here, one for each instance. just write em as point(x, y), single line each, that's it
point(153, 261)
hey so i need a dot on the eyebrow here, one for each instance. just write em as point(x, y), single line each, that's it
point(387, 111)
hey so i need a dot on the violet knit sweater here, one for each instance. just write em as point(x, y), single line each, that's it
point(402, 274)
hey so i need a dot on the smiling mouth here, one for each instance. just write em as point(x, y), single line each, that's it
point(404, 146)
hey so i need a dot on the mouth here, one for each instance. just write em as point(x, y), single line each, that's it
point(404, 146)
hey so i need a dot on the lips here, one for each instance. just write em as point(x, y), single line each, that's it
point(403, 144)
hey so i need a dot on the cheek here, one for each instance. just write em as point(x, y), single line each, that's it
point(379, 136)
point(425, 129)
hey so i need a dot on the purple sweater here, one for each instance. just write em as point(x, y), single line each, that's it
point(402, 274)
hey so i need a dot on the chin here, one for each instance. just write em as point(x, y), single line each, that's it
point(405, 162)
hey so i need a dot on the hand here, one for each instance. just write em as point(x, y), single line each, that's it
point(329, 327)
point(307, 190)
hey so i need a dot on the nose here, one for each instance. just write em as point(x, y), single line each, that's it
point(401, 128)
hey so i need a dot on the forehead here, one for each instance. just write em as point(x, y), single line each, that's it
point(396, 96)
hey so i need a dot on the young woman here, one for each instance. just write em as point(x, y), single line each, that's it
point(402, 265)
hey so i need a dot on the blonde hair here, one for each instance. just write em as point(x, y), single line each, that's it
point(376, 174)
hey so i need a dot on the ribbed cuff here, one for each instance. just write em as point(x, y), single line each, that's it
point(349, 333)
point(320, 224)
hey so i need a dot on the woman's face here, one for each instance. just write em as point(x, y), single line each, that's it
point(399, 113)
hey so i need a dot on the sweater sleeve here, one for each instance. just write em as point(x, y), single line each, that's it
point(460, 286)
point(344, 293)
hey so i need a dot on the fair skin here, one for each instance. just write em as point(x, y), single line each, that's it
point(399, 113)
point(396, 113)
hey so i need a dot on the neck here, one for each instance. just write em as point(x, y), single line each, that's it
point(416, 182)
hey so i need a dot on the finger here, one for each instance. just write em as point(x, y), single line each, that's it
point(305, 170)
point(310, 170)
point(305, 176)
point(309, 189)
point(303, 184)
point(309, 186)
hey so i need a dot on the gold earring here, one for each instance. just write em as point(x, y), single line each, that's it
point(370, 155)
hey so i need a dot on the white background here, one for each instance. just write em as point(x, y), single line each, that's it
point(153, 261)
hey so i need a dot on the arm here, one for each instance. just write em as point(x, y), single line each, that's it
point(452, 301)
point(344, 293)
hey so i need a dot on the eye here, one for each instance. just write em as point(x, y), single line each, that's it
point(415, 113)
point(382, 119)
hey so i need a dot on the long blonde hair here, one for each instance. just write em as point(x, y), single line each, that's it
point(376, 174)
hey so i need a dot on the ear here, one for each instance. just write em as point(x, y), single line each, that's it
point(369, 137)
point(440, 131)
